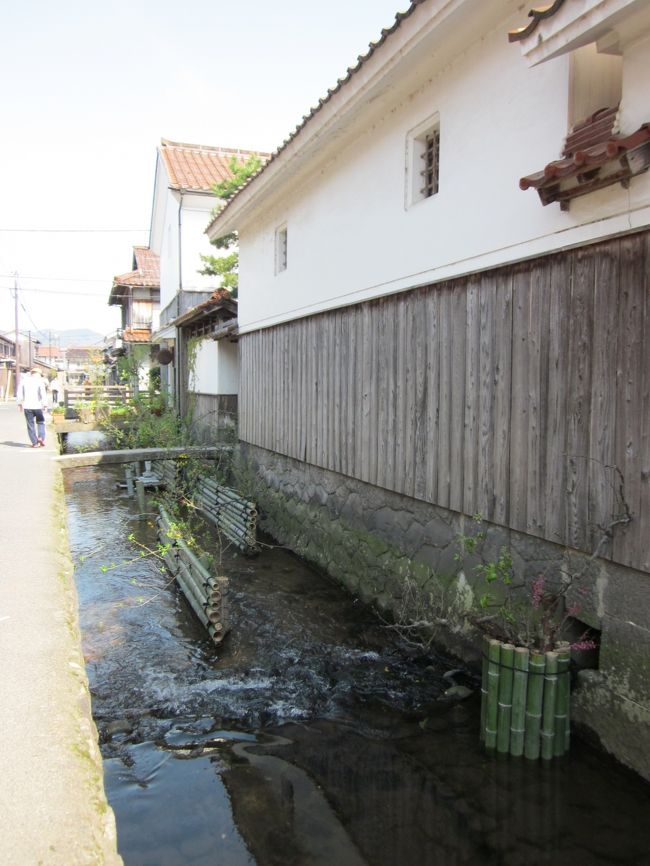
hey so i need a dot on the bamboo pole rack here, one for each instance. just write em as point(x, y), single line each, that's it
point(232, 514)
point(205, 593)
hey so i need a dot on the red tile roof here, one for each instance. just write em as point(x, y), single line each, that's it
point(593, 157)
point(145, 274)
point(197, 167)
point(536, 15)
point(136, 335)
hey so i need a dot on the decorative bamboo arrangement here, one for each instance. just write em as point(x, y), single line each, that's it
point(233, 515)
point(205, 593)
point(525, 700)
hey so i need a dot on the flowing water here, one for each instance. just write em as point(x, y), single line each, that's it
point(312, 736)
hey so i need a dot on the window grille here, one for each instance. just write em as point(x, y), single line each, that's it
point(430, 156)
point(281, 249)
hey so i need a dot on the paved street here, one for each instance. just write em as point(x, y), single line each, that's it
point(53, 810)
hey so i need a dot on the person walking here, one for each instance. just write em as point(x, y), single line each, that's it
point(32, 399)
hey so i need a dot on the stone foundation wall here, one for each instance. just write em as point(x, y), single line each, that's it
point(400, 555)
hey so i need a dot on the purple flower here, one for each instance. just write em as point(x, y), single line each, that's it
point(538, 591)
point(583, 645)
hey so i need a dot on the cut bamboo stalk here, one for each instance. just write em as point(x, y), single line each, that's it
point(189, 554)
point(198, 610)
point(519, 689)
point(548, 713)
point(562, 721)
point(190, 585)
point(492, 705)
point(484, 682)
point(534, 700)
point(504, 712)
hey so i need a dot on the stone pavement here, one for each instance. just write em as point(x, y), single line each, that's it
point(53, 809)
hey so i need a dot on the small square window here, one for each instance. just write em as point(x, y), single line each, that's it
point(423, 161)
point(280, 249)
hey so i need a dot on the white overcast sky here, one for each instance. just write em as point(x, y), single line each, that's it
point(88, 89)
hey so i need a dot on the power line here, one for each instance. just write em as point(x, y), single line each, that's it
point(57, 292)
point(74, 231)
point(62, 279)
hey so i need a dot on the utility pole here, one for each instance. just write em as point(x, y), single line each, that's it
point(17, 346)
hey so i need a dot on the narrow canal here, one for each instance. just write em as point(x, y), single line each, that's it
point(312, 737)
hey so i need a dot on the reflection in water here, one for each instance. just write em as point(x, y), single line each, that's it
point(310, 738)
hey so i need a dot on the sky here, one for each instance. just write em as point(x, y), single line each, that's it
point(87, 90)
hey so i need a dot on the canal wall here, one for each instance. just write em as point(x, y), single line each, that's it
point(402, 556)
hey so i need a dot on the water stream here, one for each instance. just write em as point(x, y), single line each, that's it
point(312, 736)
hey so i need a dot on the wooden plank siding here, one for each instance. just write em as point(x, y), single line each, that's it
point(514, 393)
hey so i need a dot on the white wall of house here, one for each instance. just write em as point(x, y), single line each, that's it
point(350, 232)
point(178, 236)
point(216, 368)
point(195, 216)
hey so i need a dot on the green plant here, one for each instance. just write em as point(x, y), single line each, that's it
point(532, 615)
point(226, 267)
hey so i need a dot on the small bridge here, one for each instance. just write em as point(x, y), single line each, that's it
point(132, 455)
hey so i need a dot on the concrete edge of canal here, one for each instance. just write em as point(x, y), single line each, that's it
point(84, 743)
point(53, 806)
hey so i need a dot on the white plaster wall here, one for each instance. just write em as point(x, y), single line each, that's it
point(228, 367)
point(216, 369)
point(180, 248)
point(635, 105)
point(168, 252)
point(194, 219)
point(350, 236)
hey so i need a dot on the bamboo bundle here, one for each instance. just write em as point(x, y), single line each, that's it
point(204, 592)
point(525, 700)
point(234, 516)
point(241, 510)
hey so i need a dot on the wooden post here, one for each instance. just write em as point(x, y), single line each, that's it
point(140, 496)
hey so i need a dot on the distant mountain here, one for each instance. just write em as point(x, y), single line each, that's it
point(71, 337)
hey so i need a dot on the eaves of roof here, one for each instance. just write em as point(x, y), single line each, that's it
point(341, 84)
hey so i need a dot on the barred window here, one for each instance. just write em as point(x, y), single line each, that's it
point(430, 157)
point(281, 249)
point(423, 161)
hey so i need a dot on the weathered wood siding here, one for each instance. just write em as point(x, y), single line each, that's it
point(513, 393)
point(212, 414)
